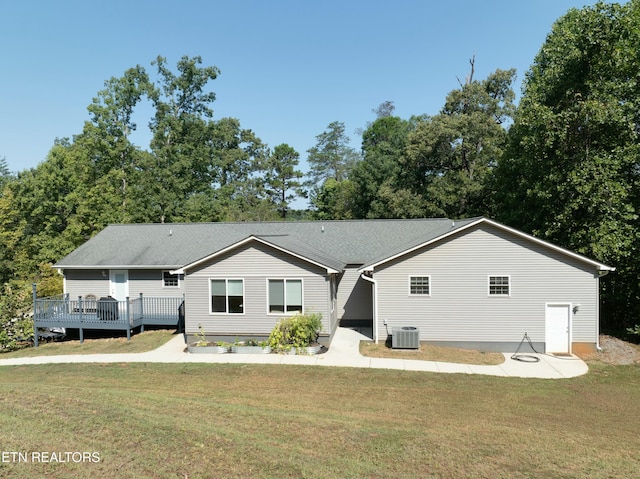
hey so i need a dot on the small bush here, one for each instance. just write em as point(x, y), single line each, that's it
point(297, 331)
point(16, 323)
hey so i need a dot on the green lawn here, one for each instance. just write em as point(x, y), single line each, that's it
point(210, 421)
point(139, 343)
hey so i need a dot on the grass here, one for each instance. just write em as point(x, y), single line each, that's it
point(431, 353)
point(139, 343)
point(265, 421)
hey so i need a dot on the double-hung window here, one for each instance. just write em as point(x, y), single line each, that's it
point(499, 285)
point(419, 285)
point(285, 296)
point(227, 296)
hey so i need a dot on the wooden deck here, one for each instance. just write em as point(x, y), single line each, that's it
point(105, 313)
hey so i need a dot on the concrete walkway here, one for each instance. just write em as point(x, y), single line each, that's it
point(342, 353)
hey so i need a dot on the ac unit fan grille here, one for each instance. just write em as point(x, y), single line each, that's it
point(405, 337)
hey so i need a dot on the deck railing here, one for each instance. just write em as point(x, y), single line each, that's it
point(61, 311)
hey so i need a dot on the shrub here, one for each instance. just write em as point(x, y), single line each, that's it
point(16, 323)
point(296, 331)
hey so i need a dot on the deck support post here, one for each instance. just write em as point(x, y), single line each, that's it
point(81, 319)
point(127, 318)
point(35, 328)
point(142, 313)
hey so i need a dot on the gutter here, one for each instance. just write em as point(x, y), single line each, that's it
point(375, 305)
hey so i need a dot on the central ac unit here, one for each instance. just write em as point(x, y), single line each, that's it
point(405, 337)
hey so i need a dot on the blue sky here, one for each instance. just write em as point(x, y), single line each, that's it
point(289, 68)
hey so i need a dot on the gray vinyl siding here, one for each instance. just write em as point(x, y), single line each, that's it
point(92, 282)
point(149, 282)
point(254, 263)
point(85, 282)
point(459, 308)
point(355, 298)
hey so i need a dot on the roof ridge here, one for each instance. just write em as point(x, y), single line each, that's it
point(280, 222)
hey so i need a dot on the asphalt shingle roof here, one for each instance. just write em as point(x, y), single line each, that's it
point(330, 243)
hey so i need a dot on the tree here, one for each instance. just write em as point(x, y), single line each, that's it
point(383, 146)
point(5, 173)
point(335, 200)
point(571, 171)
point(180, 160)
point(281, 178)
point(450, 157)
point(385, 109)
point(234, 156)
point(331, 157)
point(106, 136)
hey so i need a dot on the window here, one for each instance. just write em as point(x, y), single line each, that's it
point(285, 295)
point(419, 285)
point(227, 296)
point(170, 280)
point(499, 286)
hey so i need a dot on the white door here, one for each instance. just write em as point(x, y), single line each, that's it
point(557, 326)
point(119, 284)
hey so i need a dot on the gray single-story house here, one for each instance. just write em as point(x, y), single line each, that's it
point(469, 283)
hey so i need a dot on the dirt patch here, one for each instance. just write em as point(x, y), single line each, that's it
point(615, 351)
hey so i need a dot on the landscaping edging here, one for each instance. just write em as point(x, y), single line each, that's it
point(242, 349)
point(211, 349)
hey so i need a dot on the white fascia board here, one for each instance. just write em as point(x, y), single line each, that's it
point(116, 266)
point(371, 267)
point(243, 242)
point(327, 268)
point(599, 266)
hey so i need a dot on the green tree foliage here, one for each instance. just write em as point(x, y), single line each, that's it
point(331, 158)
point(571, 172)
point(196, 169)
point(376, 178)
point(5, 173)
point(282, 178)
point(335, 200)
point(450, 157)
point(235, 156)
point(179, 162)
point(114, 159)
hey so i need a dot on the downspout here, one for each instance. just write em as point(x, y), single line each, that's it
point(375, 305)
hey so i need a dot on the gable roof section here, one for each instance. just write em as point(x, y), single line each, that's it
point(329, 244)
point(469, 223)
point(173, 246)
point(285, 243)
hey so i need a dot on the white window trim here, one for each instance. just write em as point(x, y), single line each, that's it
point(414, 295)
point(226, 285)
point(508, 276)
point(285, 313)
point(170, 287)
